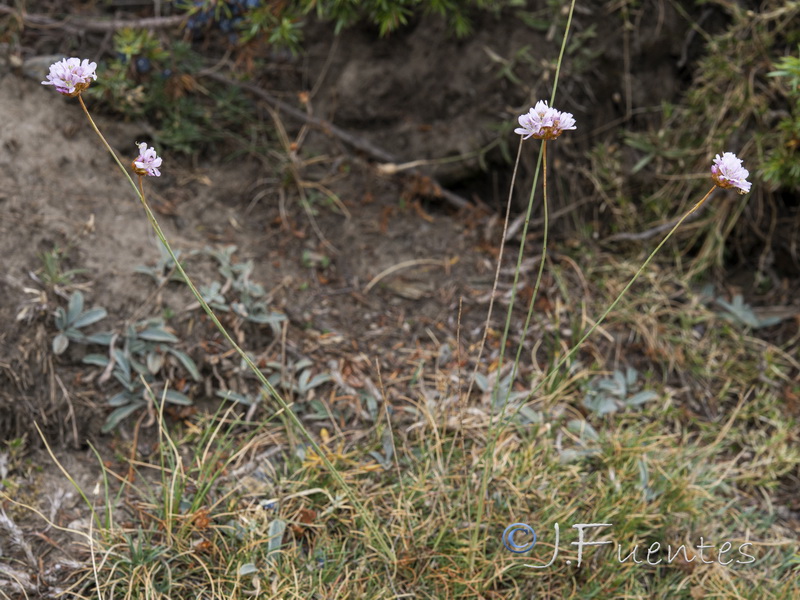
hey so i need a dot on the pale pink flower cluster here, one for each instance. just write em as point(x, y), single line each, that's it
point(70, 76)
point(147, 162)
point(728, 172)
point(544, 122)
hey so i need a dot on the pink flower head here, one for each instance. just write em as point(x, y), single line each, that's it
point(71, 76)
point(728, 172)
point(544, 123)
point(147, 162)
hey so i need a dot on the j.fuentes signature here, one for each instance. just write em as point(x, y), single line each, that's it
point(521, 537)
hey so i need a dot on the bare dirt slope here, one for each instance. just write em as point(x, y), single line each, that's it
point(61, 189)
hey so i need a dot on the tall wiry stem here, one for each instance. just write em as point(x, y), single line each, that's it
point(286, 408)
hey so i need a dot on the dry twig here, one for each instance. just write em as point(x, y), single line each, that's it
point(354, 141)
point(82, 25)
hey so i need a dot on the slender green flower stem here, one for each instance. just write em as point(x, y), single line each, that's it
point(496, 427)
point(561, 52)
point(105, 143)
point(497, 271)
point(295, 420)
point(543, 161)
point(613, 305)
point(494, 435)
point(536, 285)
point(530, 207)
point(489, 451)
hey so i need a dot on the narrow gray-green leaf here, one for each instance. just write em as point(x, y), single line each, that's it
point(379, 459)
point(275, 533)
point(586, 431)
point(631, 375)
point(140, 368)
point(102, 338)
point(155, 334)
point(174, 397)
point(123, 380)
point(267, 319)
point(482, 382)
point(98, 360)
point(60, 343)
point(641, 398)
point(606, 406)
point(318, 380)
point(187, 362)
point(75, 335)
point(122, 363)
point(610, 385)
point(75, 307)
point(119, 399)
point(530, 415)
point(302, 382)
point(619, 378)
point(154, 362)
point(61, 319)
point(90, 316)
point(388, 447)
point(234, 397)
point(302, 364)
point(118, 415)
point(642, 163)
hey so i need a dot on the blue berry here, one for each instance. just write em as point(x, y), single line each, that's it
point(252, 3)
point(166, 73)
point(143, 64)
